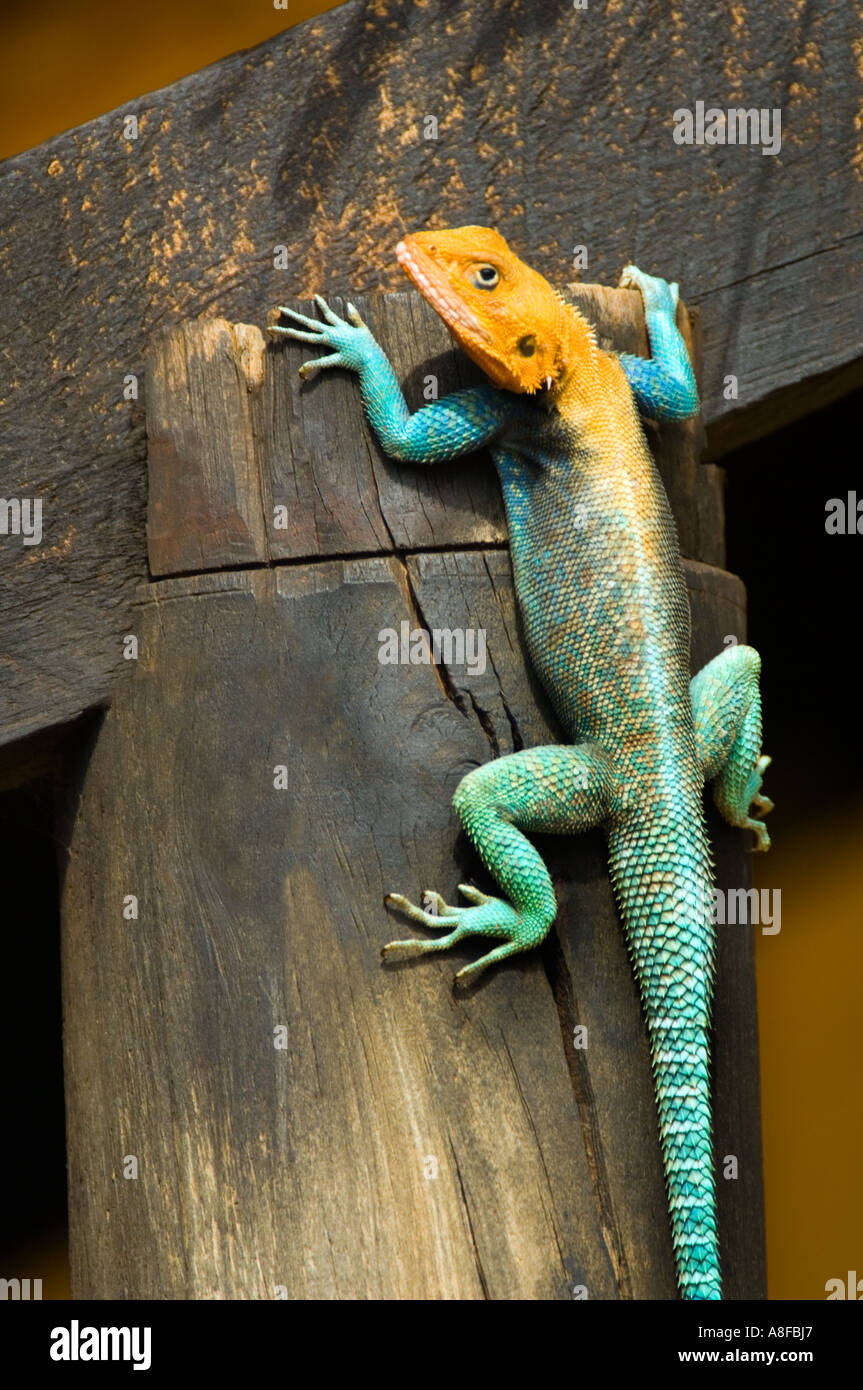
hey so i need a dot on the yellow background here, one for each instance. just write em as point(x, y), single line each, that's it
point(62, 65)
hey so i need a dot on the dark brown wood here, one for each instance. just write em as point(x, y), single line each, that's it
point(306, 1167)
point(205, 512)
point(586, 959)
point(232, 443)
point(407, 1142)
point(784, 407)
point(322, 460)
point(314, 141)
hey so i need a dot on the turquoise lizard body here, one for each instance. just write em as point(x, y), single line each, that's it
point(606, 619)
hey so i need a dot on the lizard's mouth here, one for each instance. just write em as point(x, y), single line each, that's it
point(433, 286)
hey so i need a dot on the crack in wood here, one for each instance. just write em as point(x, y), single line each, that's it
point(477, 1258)
point(563, 993)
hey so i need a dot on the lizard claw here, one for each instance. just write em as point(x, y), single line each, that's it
point(762, 838)
point(651, 287)
point(487, 916)
point(349, 337)
point(474, 895)
point(761, 803)
point(329, 314)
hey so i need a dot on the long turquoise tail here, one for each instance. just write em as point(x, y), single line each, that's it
point(662, 875)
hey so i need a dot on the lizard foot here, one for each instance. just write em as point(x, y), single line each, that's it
point(486, 917)
point(653, 289)
point(348, 336)
point(752, 797)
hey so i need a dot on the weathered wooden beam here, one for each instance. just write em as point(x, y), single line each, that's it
point(783, 408)
point(405, 1142)
point(111, 230)
point(233, 435)
point(236, 435)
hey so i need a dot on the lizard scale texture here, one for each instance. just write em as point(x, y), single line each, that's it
point(606, 619)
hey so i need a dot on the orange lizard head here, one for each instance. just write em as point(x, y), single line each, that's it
point(505, 316)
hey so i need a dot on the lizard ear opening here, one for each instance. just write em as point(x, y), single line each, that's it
point(527, 345)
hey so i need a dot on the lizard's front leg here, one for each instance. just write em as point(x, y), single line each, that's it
point(555, 790)
point(448, 428)
point(663, 383)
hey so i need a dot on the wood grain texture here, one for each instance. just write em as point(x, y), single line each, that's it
point(307, 1167)
point(553, 125)
point(225, 442)
point(204, 504)
point(321, 457)
point(234, 435)
point(302, 1167)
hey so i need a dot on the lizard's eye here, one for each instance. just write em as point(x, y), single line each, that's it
point(485, 277)
point(527, 345)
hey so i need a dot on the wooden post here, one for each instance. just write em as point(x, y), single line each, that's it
point(254, 1103)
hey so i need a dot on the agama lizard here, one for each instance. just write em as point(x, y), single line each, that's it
point(606, 619)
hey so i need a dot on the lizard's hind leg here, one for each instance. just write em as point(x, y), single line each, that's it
point(556, 790)
point(726, 704)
